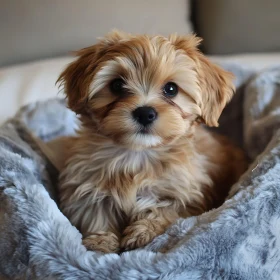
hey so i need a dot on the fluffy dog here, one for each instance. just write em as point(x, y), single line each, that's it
point(141, 159)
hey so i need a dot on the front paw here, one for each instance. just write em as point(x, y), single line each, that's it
point(106, 242)
point(140, 233)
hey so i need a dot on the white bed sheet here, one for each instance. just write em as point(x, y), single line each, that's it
point(22, 84)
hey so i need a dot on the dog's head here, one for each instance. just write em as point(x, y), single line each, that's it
point(144, 91)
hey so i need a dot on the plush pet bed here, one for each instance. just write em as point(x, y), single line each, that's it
point(239, 240)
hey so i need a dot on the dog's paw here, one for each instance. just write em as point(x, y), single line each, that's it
point(140, 233)
point(106, 242)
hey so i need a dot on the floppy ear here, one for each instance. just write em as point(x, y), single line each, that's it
point(76, 79)
point(78, 75)
point(216, 89)
point(216, 84)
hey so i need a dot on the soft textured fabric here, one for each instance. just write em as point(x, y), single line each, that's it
point(239, 240)
point(238, 26)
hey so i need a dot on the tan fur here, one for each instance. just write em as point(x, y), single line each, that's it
point(133, 186)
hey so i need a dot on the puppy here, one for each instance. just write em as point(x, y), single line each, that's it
point(141, 159)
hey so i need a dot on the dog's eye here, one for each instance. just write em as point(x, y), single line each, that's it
point(117, 86)
point(170, 89)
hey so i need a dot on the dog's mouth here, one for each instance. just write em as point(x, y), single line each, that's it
point(144, 138)
point(144, 130)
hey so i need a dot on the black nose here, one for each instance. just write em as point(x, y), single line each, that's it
point(144, 115)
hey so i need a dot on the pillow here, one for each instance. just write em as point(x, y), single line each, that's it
point(238, 26)
point(30, 82)
point(32, 29)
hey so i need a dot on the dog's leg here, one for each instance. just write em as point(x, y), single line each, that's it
point(102, 241)
point(101, 228)
point(145, 226)
point(97, 221)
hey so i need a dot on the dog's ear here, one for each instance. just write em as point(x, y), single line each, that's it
point(76, 78)
point(216, 84)
point(78, 75)
point(217, 89)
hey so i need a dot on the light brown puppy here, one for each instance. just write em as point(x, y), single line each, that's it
point(141, 159)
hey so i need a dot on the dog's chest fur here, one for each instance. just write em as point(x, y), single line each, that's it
point(135, 180)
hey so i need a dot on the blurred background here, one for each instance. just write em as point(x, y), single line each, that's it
point(37, 36)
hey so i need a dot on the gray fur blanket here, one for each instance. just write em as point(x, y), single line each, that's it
point(239, 240)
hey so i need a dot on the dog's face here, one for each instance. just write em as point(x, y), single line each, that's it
point(146, 91)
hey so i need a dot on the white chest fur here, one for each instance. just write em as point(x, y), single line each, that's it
point(134, 180)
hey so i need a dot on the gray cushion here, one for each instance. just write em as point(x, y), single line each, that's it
point(238, 26)
point(32, 29)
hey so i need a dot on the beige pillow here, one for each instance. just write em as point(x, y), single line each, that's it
point(238, 26)
point(32, 29)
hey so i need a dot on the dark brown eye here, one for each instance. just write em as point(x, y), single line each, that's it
point(117, 86)
point(170, 89)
